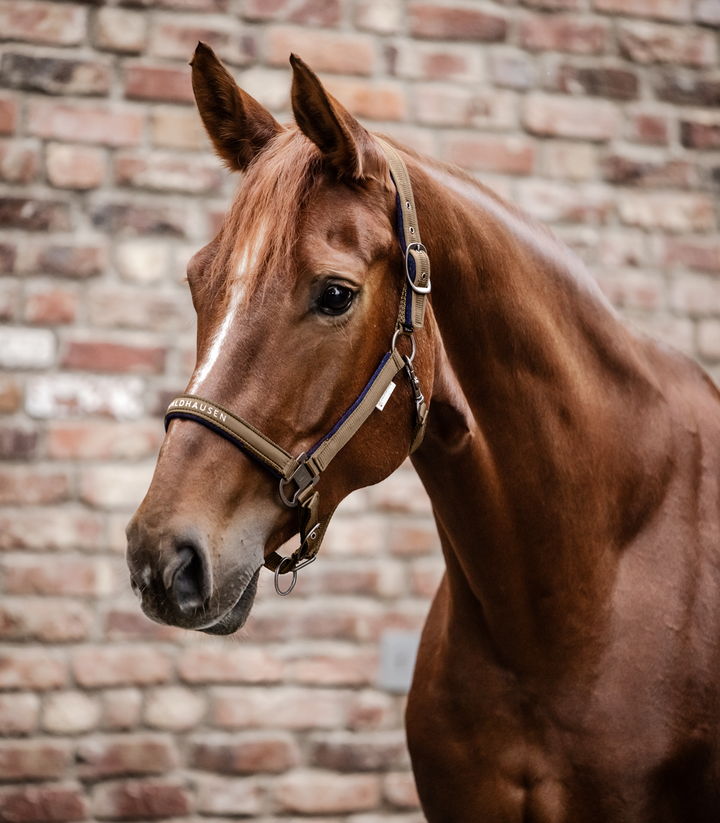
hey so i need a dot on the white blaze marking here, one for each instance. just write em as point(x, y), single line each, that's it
point(248, 261)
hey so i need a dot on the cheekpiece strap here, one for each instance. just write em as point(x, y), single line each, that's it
point(417, 262)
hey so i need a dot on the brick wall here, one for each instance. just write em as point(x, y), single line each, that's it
point(601, 117)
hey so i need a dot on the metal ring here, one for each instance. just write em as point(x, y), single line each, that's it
point(278, 571)
point(407, 334)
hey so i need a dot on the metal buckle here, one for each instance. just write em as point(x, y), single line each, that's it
point(415, 386)
point(304, 479)
point(300, 565)
point(417, 247)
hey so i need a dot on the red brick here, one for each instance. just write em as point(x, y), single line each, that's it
point(697, 254)
point(599, 81)
point(174, 709)
point(109, 124)
point(324, 51)
point(75, 167)
point(708, 12)
point(675, 10)
point(163, 83)
point(247, 754)
point(163, 171)
point(18, 715)
point(412, 537)
point(561, 203)
point(17, 443)
point(41, 22)
point(178, 129)
point(363, 752)
point(141, 800)
point(104, 440)
point(699, 135)
point(114, 357)
point(34, 759)
point(120, 666)
point(72, 261)
point(19, 161)
point(650, 128)
point(48, 306)
point(120, 30)
point(400, 791)
point(182, 5)
point(132, 219)
point(458, 106)
point(137, 309)
point(376, 101)
point(50, 530)
point(28, 214)
point(56, 803)
point(624, 170)
point(646, 42)
point(318, 792)
point(35, 669)
point(305, 12)
point(332, 665)
point(126, 755)
point(64, 576)
point(502, 155)
point(45, 620)
point(674, 212)
point(130, 623)
point(456, 23)
point(633, 290)
point(571, 117)
point(175, 37)
point(686, 89)
point(425, 576)
point(418, 60)
point(31, 485)
point(8, 115)
point(228, 665)
point(568, 34)
point(282, 707)
point(55, 75)
point(402, 492)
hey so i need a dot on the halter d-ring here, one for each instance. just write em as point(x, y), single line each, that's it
point(278, 572)
point(407, 334)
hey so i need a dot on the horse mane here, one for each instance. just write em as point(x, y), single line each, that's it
point(266, 210)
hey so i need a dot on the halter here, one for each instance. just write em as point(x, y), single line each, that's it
point(299, 475)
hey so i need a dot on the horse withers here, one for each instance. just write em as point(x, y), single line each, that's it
point(568, 669)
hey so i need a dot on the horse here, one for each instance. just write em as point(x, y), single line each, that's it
point(568, 668)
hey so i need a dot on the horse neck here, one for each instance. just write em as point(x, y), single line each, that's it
point(535, 457)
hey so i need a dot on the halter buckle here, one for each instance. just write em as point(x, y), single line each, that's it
point(302, 477)
point(417, 289)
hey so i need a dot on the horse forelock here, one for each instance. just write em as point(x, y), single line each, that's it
point(261, 229)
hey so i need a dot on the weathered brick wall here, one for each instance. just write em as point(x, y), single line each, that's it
point(599, 116)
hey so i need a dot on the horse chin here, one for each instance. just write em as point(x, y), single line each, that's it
point(236, 617)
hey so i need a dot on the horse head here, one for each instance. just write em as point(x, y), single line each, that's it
point(297, 302)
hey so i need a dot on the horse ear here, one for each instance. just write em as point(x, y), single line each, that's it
point(238, 125)
point(343, 141)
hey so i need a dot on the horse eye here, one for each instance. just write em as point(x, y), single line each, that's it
point(336, 299)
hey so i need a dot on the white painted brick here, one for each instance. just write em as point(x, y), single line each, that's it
point(74, 395)
point(26, 348)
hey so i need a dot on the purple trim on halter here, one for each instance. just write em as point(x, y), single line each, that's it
point(203, 422)
point(353, 407)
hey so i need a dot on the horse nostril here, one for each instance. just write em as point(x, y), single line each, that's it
point(187, 579)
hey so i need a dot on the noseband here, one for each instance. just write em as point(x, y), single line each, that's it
point(299, 475)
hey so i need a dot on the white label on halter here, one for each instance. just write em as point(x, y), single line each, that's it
point(385, 397)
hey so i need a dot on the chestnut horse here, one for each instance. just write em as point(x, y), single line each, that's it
point(569, 669)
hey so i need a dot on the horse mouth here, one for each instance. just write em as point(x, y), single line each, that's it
point(236, 617)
